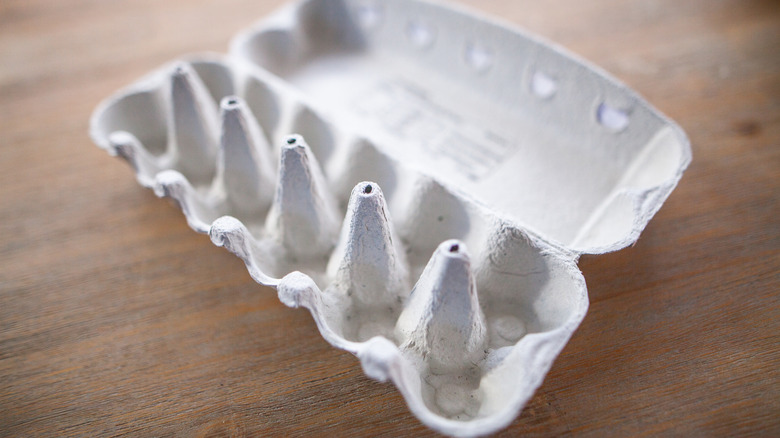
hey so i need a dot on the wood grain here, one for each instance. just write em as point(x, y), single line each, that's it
point(116, 318)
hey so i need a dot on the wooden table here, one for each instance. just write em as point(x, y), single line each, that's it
point(116, 318)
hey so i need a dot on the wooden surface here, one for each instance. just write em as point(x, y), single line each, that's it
point(116, 318)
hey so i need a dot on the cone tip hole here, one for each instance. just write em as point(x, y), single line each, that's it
point(367, 189)
point(454, 248)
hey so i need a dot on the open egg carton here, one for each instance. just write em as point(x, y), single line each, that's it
point(422, 179)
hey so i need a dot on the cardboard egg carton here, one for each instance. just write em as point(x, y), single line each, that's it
point(420, 178)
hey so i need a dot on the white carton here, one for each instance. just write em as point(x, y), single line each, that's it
point(446, 173)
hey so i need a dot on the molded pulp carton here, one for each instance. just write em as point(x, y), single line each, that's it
point(422, 179)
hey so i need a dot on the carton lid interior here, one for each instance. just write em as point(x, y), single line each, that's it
point(514, 123)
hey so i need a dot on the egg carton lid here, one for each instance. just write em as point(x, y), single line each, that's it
point(518, 124)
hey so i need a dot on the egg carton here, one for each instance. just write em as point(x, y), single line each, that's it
point(420, 178)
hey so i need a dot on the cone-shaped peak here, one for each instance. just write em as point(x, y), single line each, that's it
point(193, 124)
point(442, 319)
point(303, 216)
point(369, 263)
point(244, 163)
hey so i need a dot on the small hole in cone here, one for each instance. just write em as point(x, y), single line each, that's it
point(291, 140)
point(367, 189)
point(455, 248)
point(232, 102)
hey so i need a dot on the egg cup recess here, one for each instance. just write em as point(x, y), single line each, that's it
point(429, 219)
